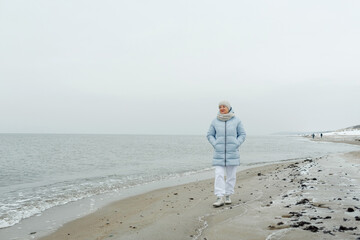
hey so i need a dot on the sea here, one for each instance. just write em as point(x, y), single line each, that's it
point(40, 172)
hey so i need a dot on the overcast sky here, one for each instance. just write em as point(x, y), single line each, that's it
point(161, 67)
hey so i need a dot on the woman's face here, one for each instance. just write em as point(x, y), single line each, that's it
point(223, 109)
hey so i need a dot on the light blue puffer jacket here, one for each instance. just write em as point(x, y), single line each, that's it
point(226, 138)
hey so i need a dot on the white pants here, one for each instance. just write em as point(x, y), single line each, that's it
point(223, 187)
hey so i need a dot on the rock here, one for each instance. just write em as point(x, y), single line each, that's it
point(32, 233)
point(303, 201)
point(342, 228)
point(350, 209)
point(312, 228)
point(295, 214)
point(357, 218)
point(300, 224)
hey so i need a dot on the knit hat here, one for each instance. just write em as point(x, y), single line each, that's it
point(225, 103)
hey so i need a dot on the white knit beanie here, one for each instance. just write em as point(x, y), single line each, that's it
point(225, 103)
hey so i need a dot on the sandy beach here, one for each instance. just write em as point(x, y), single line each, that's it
point(308, 199)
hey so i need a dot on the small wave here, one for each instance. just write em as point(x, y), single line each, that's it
point(31, 202)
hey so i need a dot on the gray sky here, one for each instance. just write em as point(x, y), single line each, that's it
point(161, 67)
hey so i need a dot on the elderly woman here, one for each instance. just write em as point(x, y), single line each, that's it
point(226, 134)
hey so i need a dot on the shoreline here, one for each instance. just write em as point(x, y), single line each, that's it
point(292, 200)
point(185, 211)
point(348, 139)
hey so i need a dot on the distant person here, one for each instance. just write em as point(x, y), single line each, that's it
point(226, 134)
point(313, 135)
point(321, 135)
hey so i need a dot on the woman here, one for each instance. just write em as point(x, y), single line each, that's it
point(226, 134)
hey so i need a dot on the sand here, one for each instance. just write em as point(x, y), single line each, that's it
point(307, 199)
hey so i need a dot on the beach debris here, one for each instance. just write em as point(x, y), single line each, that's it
point(191, 198)
point(259, 174)
point(176, 193)
point(32, 233)
point(328, 232)
point(312, 228)
point(303, 201)
point(342, 228)
point(357, 218)
point(295, 214)
point(281, 226)
point(300, 224)
point(320, 205)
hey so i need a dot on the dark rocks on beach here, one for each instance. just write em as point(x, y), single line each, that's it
point(357, 218)
point(300, 224)
point(342, 228)
point(303, 201)
point(259, 174)
point(350, 210)
point(295, 214)
point(312, 228)
point(32, 233)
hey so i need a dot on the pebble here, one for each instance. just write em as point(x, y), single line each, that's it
point(312, 228)
point(350, 210)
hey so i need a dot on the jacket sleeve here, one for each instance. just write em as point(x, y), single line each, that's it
point(241, 134)
point(211, 135)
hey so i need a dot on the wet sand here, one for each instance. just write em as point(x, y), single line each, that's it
point(307, 199)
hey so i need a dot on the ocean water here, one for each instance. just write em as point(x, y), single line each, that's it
point(42, 171)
